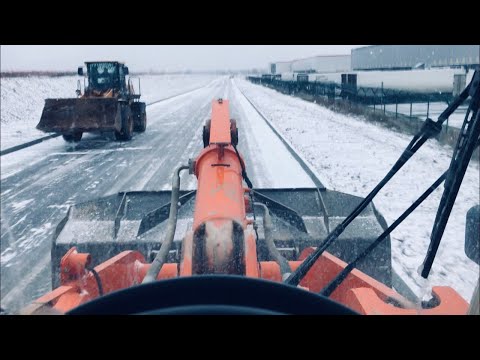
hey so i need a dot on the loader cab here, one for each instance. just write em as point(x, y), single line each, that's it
point(103, 76)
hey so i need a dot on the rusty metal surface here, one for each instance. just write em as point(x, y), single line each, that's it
point(70, 115)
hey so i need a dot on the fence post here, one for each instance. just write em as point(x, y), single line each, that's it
point(334, 100)
point(383, 100)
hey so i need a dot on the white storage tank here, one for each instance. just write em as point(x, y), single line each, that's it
point(326, 78)
point(426, 81)
point(288, 76)
point(281, 67)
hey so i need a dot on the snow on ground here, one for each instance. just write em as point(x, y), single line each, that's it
point(353, 155)
point(22, 99)
point(272, 159)
point(156, 87)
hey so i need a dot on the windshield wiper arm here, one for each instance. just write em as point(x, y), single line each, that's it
point(330, 288)
point(466, 144)
point(429, 129)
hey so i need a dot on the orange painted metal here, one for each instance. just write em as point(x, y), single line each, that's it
point(362, 293)
point(46, 302)
point(124, 270)
point(168, 271)
point(220, 125)
point(220, 201)
point(328, 266)
point(73, 265)
point(269, 270)
point(220, 193)
point(366, 302)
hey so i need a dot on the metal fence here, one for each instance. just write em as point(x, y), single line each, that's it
point(377, 98)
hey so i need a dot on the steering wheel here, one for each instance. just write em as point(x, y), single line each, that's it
point(212, 295)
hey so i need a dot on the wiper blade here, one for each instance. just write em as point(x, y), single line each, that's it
point(467, 142)
point(429, 129)
point(330, 288)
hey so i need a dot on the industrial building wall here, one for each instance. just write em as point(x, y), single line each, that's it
point(323, 64)
point(280, 67)
point(408, 56)
point(419, 81)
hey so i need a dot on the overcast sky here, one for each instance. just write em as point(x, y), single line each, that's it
point(160, 57)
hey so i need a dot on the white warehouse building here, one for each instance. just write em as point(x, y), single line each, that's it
point(319, 64)
point(323, 64)
point(281, 67)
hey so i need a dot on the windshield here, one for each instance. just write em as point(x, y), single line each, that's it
point(102, 75)
point(315, 130)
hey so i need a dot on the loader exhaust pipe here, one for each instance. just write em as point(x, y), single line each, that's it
point(161, 257)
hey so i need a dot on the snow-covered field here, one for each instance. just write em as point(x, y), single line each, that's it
point(156, 87)
point(352, 155)
point(22, 99)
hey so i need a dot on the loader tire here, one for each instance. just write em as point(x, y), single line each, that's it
point(206, 133)
point(75, 137)
point(143, 124)
point(139, 116)
point(127, 126)
point(234, 132)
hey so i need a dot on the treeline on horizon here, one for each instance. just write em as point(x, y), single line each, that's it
point(36, 73)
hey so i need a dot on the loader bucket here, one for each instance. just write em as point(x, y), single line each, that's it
point(301, 218)
point(80, 115)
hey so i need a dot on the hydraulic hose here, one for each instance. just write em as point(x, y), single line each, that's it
point(161, 257)
point(272, 249)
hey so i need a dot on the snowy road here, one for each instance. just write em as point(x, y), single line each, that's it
point(39, 183)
